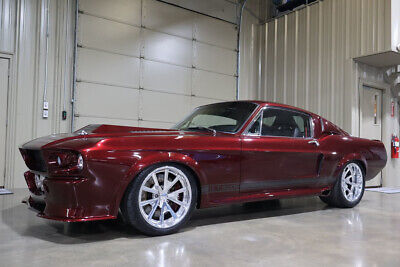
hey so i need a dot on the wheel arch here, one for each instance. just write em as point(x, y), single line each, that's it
point(149, 159)
point(362, 165)
point(352, 157)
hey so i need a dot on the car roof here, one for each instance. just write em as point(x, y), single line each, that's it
point(274, 104)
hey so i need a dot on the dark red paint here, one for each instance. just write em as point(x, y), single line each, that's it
point(229, 167)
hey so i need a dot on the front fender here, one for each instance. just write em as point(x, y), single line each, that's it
point(145, 159)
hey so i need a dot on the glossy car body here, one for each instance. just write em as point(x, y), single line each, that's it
point(228, 167)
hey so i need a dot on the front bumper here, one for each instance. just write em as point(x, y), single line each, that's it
point(67, 199)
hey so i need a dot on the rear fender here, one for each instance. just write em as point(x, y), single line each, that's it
point(349, 158)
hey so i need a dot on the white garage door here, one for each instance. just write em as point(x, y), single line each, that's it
point(148, 63)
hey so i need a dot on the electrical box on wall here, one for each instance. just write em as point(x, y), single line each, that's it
point(45, 109)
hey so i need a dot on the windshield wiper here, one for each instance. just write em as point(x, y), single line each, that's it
point(202, 128)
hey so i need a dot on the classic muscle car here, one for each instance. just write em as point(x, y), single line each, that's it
point(221, 153)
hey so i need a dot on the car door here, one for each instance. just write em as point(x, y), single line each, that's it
point(278, 151)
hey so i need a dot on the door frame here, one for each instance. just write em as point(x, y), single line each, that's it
point(378, 86)
point(11, 116)
point(3, 175)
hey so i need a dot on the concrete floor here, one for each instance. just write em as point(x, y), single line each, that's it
point(294, 232)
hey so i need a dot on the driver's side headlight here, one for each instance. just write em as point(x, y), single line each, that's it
point(67, 160)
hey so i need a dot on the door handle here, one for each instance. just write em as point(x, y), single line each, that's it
point(315, 142)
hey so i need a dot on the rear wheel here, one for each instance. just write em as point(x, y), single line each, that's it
point(160, 200)
point(349, 188)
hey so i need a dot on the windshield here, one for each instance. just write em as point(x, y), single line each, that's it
point(221, 117)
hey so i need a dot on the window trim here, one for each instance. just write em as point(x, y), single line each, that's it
point(261, 114)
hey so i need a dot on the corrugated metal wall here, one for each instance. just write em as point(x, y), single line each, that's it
point(250, 38)
point(148, 63)
point(8, 10)
point(308, 55)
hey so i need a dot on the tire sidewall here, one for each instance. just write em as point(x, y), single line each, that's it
point(131, 202)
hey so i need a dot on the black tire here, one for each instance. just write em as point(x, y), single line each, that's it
point(337, 198)
point(130, 203)
point(326, 199)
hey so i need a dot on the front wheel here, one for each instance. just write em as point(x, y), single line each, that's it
point(160, 200)
point(349, 188)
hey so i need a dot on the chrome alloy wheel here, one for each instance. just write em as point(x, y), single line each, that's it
point(165, 197)
point(352, 182)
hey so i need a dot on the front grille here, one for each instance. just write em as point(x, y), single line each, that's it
point(35, 161)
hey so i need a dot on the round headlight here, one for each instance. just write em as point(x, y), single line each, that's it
point(80, 162)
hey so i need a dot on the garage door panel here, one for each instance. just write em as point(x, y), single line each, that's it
point(109, 35)
point(107, 101)
point(213, 85)
point(223, 9)
point(117, 58)
point(166, 18)
point(165, 77)
point(81, 122)
point(200, 101)
point(107, 68)
point(128, 11)
point(215, 32)
point(212, 58)
point(163, 107)
point(167, 48)
point(152, 124)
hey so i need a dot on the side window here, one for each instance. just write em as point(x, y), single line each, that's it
point(282, 122)
point(255, 128)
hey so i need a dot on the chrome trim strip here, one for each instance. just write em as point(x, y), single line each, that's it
point(322, 125)
point(246, 133)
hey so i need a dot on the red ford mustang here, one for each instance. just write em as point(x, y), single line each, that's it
point(221, 153)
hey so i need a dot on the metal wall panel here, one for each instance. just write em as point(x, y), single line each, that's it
point(395, 24)
point(215, 59)
point(167, 48)
point(252, 49)
point(200, 101)
point(83, 121)
point(107, 68)
point(222, 9)
point(301, 79)
point(213, 85)
point(109, 35)
point(167, 18)
point(157, 77)
point(215, 32)
point(127, 11)
point(308, 56)
point(163, 107)
point(156, 124)
point(8, 10)
point(115, 103)
point(27, 22)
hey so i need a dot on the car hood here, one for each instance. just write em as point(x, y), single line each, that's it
point(94, 133)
